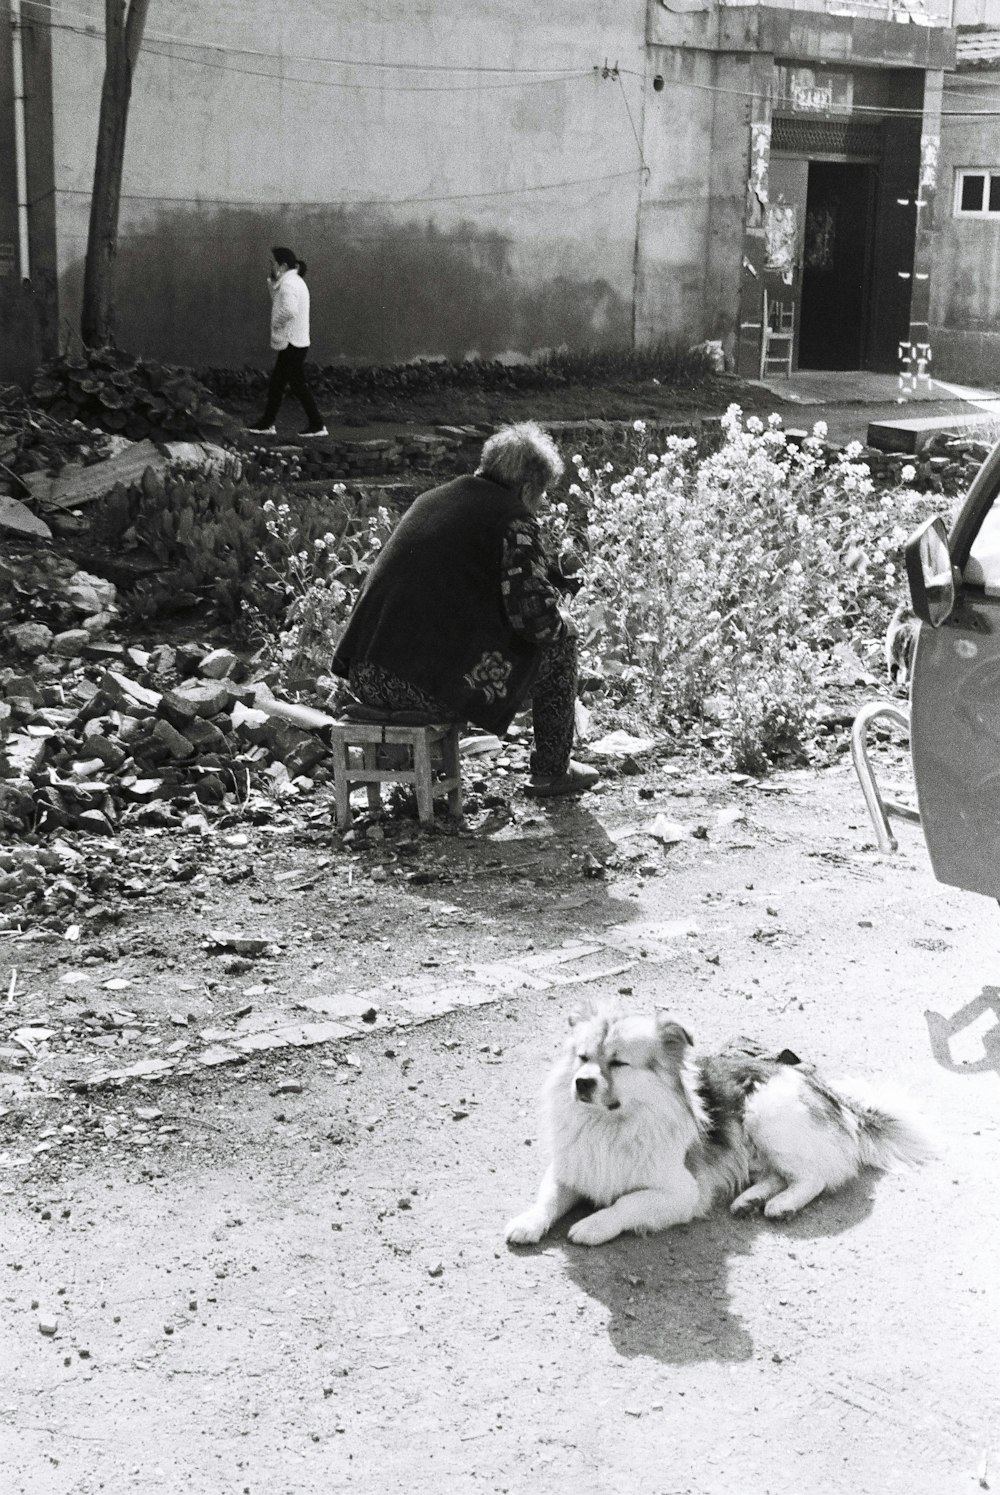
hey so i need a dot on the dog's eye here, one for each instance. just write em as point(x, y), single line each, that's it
point(618, 1064)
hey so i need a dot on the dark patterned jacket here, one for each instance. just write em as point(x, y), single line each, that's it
point(431, 609)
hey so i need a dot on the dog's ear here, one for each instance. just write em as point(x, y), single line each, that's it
point(671, 1034)
point(583, 1013)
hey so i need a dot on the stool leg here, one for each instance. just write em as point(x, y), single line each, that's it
point(341, 784)
point(422, 778)
point(374, 789)
point(453, 769)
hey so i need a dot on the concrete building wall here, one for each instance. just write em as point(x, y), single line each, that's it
point(965, 287)
point(460, 177)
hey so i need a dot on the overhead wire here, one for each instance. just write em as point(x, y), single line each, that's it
point(363, 202)
point(537, 76)
point(282, 57)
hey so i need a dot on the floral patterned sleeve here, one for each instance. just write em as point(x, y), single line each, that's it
point(530, 600)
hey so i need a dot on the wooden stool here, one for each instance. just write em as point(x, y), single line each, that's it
point(371, 731)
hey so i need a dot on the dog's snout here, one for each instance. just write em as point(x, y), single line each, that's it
point(585, 1086)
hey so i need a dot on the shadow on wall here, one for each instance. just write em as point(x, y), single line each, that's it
point(191, 289)
point(24, 328)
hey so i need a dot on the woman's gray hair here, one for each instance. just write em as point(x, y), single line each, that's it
point(521, 457)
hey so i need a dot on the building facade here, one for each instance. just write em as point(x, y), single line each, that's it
point(496, 180)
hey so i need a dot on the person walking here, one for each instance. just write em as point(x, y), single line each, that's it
point(290, 339)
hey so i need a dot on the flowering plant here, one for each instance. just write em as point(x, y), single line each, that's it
point(715, 589)
point(316, 581)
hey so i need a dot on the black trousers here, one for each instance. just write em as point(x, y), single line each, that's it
point(289, 370)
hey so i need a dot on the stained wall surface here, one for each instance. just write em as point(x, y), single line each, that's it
point(460, 178)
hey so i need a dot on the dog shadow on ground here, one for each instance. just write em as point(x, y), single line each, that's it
point(668, 1295)
point(942, 1030)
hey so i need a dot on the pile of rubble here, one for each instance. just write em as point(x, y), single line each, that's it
point(945, 464)
point(445, 451)
point(117, 735)
point(32, 441)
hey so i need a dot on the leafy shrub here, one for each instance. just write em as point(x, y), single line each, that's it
point(714, 590)
point(111, 390)
point(205, 537)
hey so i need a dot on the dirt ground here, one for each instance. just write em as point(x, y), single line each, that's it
point(285, 1271)
point(614, 400)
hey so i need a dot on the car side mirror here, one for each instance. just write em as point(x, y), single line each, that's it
point(933, 579)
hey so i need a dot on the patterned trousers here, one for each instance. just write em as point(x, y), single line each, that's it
point(553, 702)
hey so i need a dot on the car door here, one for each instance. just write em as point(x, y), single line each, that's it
point(955, 703)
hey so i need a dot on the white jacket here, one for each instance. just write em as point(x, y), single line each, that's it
point(289, 310)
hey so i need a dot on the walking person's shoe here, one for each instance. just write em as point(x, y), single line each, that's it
point(260, 430)
point(578, 778)
point(319, 431)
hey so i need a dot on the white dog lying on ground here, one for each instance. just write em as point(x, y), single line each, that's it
point(654, 1136)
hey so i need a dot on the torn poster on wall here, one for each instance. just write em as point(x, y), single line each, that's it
point(780, 232)
point(760, 158)
point(929, 147)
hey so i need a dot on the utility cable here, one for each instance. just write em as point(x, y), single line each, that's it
point(186, 41)
point(360, 202)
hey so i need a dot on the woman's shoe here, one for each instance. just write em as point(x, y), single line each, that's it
point(577, 779)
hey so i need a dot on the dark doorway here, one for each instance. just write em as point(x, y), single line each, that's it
point(836, 265)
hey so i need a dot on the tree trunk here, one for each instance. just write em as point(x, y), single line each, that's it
point(123, 38)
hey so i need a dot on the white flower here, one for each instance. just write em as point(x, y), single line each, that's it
point(638, 425)
point(908, 473)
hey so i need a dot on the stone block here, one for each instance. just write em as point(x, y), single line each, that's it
point(205, 736)
point(30, 638)
point(22, 687)
point(249, 725)
point(110, 754)
point(71, 643)
point(23, 755)
point(127, 694)
point(175, 742)
point(175, 709)
point(207, 697)
point(220, 664)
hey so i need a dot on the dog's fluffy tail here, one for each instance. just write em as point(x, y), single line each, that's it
point(890, 1134)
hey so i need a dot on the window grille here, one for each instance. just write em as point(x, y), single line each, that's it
point(827, 137)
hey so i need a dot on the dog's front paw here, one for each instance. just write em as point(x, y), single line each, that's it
point(525, 1230)
point(594, 1229)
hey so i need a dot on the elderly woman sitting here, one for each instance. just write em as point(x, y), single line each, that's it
point(458, 618)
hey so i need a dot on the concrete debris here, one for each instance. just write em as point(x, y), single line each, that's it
point(621, 744)
point(18, 518)
point(94, 735)
point(668, 831)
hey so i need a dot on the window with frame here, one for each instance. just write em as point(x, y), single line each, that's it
point(977, 193)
